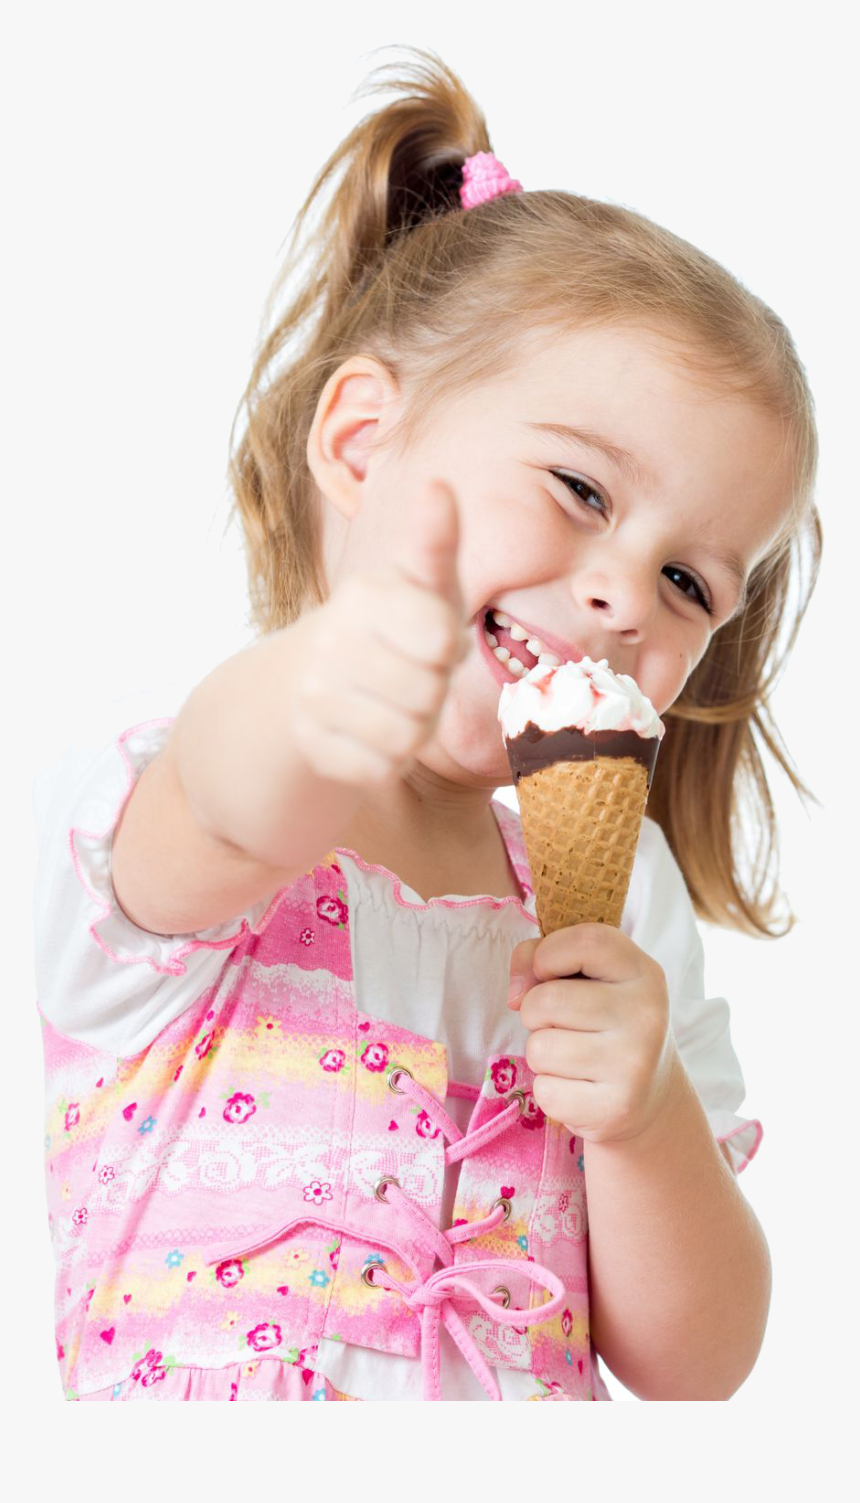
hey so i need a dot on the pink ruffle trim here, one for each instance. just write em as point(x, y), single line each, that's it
point(744, 1127)
point(173, 964)
point(482, 900)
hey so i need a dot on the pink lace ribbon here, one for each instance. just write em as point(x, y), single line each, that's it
point(434, 1298)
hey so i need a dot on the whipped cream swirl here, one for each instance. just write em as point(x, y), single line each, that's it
point(584, 695)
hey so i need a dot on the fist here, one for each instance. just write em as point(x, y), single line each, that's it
point(382, 652)
point(600, 1039)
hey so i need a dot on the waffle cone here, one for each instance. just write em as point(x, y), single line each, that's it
point(581, 824)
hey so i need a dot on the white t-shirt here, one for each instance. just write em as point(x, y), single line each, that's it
point(447, 967)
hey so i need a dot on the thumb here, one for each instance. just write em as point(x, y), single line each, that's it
point(429, 557)
point(523, 977)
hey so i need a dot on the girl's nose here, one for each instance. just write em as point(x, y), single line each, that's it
point(622, 602)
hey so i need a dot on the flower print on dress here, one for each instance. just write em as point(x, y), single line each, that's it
point(532, 1116)
point(566, 1322)
point(239, 1107)
point(553, 1390)
point(504, 1075)
point(229, 1272)
point(202, 1047)
point(266, 1023)
point(375, 1057)
point(333, 1060)
point(300, 1360)
point(317, 1192)
point(307, 937)
point(333, 910)
point(264, 1337)
point(149, 1369)
point(425, 1127)
point(73, 1115)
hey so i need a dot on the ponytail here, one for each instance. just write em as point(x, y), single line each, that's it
point(397, 168)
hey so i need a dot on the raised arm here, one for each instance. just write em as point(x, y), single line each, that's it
point(272, 753)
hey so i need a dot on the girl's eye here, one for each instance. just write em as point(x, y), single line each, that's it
point(581, 489)
point(699, 588)
point(578, 486)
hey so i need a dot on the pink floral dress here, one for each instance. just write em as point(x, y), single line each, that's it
point(297, 1156)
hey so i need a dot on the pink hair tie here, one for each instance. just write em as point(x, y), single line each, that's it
point(485, 177)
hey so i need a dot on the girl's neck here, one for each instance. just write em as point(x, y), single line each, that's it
point(437, 837)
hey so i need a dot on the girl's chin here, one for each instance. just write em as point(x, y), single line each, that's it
point(467, 761)
point(467, 747)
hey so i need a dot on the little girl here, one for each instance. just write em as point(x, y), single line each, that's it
point(298, 1144)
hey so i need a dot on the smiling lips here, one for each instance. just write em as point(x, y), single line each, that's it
point(518, 648)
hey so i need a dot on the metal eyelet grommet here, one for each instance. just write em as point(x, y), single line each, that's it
point(503, 1201)
point(519, 1096)
point(394, 1072)
point(366, 1272)
point(387, 1179)
point(505, 1294)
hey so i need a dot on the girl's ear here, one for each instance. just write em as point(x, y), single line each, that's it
point(346, 426)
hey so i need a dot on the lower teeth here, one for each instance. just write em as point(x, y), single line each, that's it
point(512, 664)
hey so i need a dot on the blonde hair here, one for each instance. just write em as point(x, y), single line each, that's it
point(393, 267)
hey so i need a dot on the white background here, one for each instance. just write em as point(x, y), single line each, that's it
point(158, 155)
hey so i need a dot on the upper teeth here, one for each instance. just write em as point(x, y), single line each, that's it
point(519, 634)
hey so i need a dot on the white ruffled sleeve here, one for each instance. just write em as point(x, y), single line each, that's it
point(99, 977)
point(660, 918)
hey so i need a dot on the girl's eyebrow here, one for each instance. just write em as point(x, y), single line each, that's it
point(733, 566)
point(621, 458)
point(631, 467)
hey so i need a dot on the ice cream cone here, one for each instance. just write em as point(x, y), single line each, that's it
point(582, 785)
point(581, 823)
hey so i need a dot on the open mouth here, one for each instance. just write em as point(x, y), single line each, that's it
point(515, 647)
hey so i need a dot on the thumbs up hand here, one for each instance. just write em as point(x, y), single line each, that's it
point(382, 651)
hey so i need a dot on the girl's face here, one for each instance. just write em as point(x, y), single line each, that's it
point(629, 540)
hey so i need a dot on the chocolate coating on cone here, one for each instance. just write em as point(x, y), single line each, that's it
point(536, 749)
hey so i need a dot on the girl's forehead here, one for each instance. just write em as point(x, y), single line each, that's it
point(637, 389)
point(639, 355)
